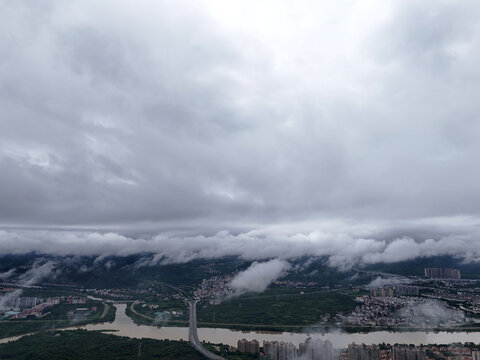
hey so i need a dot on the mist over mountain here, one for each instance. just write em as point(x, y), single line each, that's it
point(342, 251)
point(249, 276)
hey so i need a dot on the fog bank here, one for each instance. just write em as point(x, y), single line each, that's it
point(342, 250)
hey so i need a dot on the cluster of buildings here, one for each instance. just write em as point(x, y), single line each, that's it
point(317, 349)
point(442, 273)
point(121, 294)
point(398, 290)
point(215, 288)
point(31, 308)
point(131, 293)
point(295, 284)
point(374, 311)
point(76, 300)
point(410, 352)
point(21, 302)
point(218, 287)
point(385, 352)
point(452, 352)
point(275, 350)
point(402, 311)
point(25, 307)
point(251, 347)
point(311, 349)
point(361, 352)
point(468, 297)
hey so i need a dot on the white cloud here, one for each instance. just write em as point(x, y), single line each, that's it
point(39, 271)
point(5, 275)
point(343, 248)
point(381, 282)
point(259, 276)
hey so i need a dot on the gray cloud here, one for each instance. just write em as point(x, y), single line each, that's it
point(198, 118)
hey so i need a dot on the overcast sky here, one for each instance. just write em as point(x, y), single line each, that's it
point(358, 117)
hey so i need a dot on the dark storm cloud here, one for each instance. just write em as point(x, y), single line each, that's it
point(157, 115)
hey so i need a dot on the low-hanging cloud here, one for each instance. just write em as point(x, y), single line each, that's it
point(342, 250)
point(5, 275)
point(258, 276)
point(430, 313)
point(39, 271)
point(382, 281)
point(342, 246)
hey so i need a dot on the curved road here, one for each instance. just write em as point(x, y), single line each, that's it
point(193, 335)
point(192, 325)
point(192, 329)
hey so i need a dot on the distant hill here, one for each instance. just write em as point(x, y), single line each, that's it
point(115, 272)
point(138, 271)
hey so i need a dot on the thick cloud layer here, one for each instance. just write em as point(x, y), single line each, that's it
point(343, 250)
point(243, 115)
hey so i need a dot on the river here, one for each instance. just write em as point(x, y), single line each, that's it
point(124, 326)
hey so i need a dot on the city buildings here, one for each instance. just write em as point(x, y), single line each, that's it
point(311, 349)
point(21, 302)
point(252, 347)
point(363, 352)
point(442, 273)
point(383, 292)
point(408, 353)
point(475, 354)
point(407, 290)
point(280, 350)
point(397, 290)
point(384, 352)
point(316, 349)
point(403, 311)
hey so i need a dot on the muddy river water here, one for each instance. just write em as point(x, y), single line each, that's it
point(124, 326)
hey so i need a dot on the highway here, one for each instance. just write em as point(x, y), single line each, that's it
point(192, 325)
point(193, 335)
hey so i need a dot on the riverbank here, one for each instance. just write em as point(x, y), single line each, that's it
point(124, 326)
point(83, 344)
point(9, 328)
point(142, 319)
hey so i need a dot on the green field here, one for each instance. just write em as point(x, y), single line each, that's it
point(147, 316)
point(163, 305)
point(92, 345)
point(277, 307)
